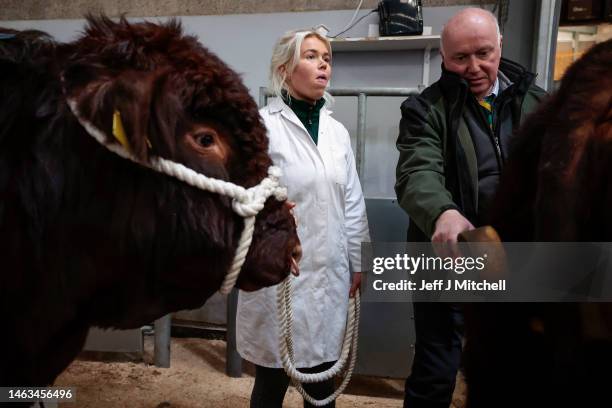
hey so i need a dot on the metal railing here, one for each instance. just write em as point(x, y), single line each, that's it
point(362, 95)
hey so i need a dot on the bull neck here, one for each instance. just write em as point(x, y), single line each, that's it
point(307, 113)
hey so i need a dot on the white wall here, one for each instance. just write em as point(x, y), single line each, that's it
point(245, 42)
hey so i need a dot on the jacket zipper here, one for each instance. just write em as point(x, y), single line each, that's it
point(498, 148)
point(500, 107)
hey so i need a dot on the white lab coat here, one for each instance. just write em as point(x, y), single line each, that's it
point(331, 216)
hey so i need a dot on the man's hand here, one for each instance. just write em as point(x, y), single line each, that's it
point(448, 225)
point(356, 284)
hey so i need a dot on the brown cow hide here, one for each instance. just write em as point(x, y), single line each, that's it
point(89, 238)
point(557, 186)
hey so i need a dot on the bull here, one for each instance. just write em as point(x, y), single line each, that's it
point(556, 187)
point(90, 239)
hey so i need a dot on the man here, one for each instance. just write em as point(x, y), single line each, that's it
point(453, 141)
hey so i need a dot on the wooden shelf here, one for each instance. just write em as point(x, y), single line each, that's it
point(417, 42)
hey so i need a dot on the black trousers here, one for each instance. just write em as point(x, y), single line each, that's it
point(439, 331)
point(271, 385)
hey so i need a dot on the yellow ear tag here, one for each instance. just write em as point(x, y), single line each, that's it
point(119, 131)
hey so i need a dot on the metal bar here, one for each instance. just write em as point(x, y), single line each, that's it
point(162, 341)
point(360, 138)
point(373, 91)
point(362, 94)
point(547, 27)
point(263, 96)
point(426, 63)
point(233, 361)
point(382, 91)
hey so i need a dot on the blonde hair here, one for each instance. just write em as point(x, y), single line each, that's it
point(287, 53)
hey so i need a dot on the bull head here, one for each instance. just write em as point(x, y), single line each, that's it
point(556, 186)
point(185, 105)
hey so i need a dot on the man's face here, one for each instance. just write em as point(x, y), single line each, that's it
point(473, 51)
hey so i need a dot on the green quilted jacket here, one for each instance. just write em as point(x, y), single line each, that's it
point(437, 167)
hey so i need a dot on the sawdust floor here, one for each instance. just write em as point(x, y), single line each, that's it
point(197, 378)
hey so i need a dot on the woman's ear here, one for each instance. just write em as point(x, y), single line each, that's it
point(284, 73)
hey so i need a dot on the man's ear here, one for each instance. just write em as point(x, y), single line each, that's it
point(501, 41)
point(99, 95)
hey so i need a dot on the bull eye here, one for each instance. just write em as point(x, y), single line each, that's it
point(205, 139)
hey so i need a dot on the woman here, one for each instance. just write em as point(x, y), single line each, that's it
point(314, 152)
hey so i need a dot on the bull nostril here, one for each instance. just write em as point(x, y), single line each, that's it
point(297, 253)
point(291, 205)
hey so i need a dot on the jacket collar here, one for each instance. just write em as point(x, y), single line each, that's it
point(518, 75)
point(276, 105)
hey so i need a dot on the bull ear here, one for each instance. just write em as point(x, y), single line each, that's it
point(102, 97)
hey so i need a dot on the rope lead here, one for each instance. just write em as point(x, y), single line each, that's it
point(285, 317)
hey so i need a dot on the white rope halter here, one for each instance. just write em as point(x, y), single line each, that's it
point(246, 202)
point(285, 317)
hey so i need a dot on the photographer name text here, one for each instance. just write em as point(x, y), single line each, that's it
point(440, 285)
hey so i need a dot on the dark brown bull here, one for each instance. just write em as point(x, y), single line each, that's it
point(90, 239)
point(557, 186)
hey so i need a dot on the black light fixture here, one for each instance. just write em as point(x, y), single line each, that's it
point(400, 17)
